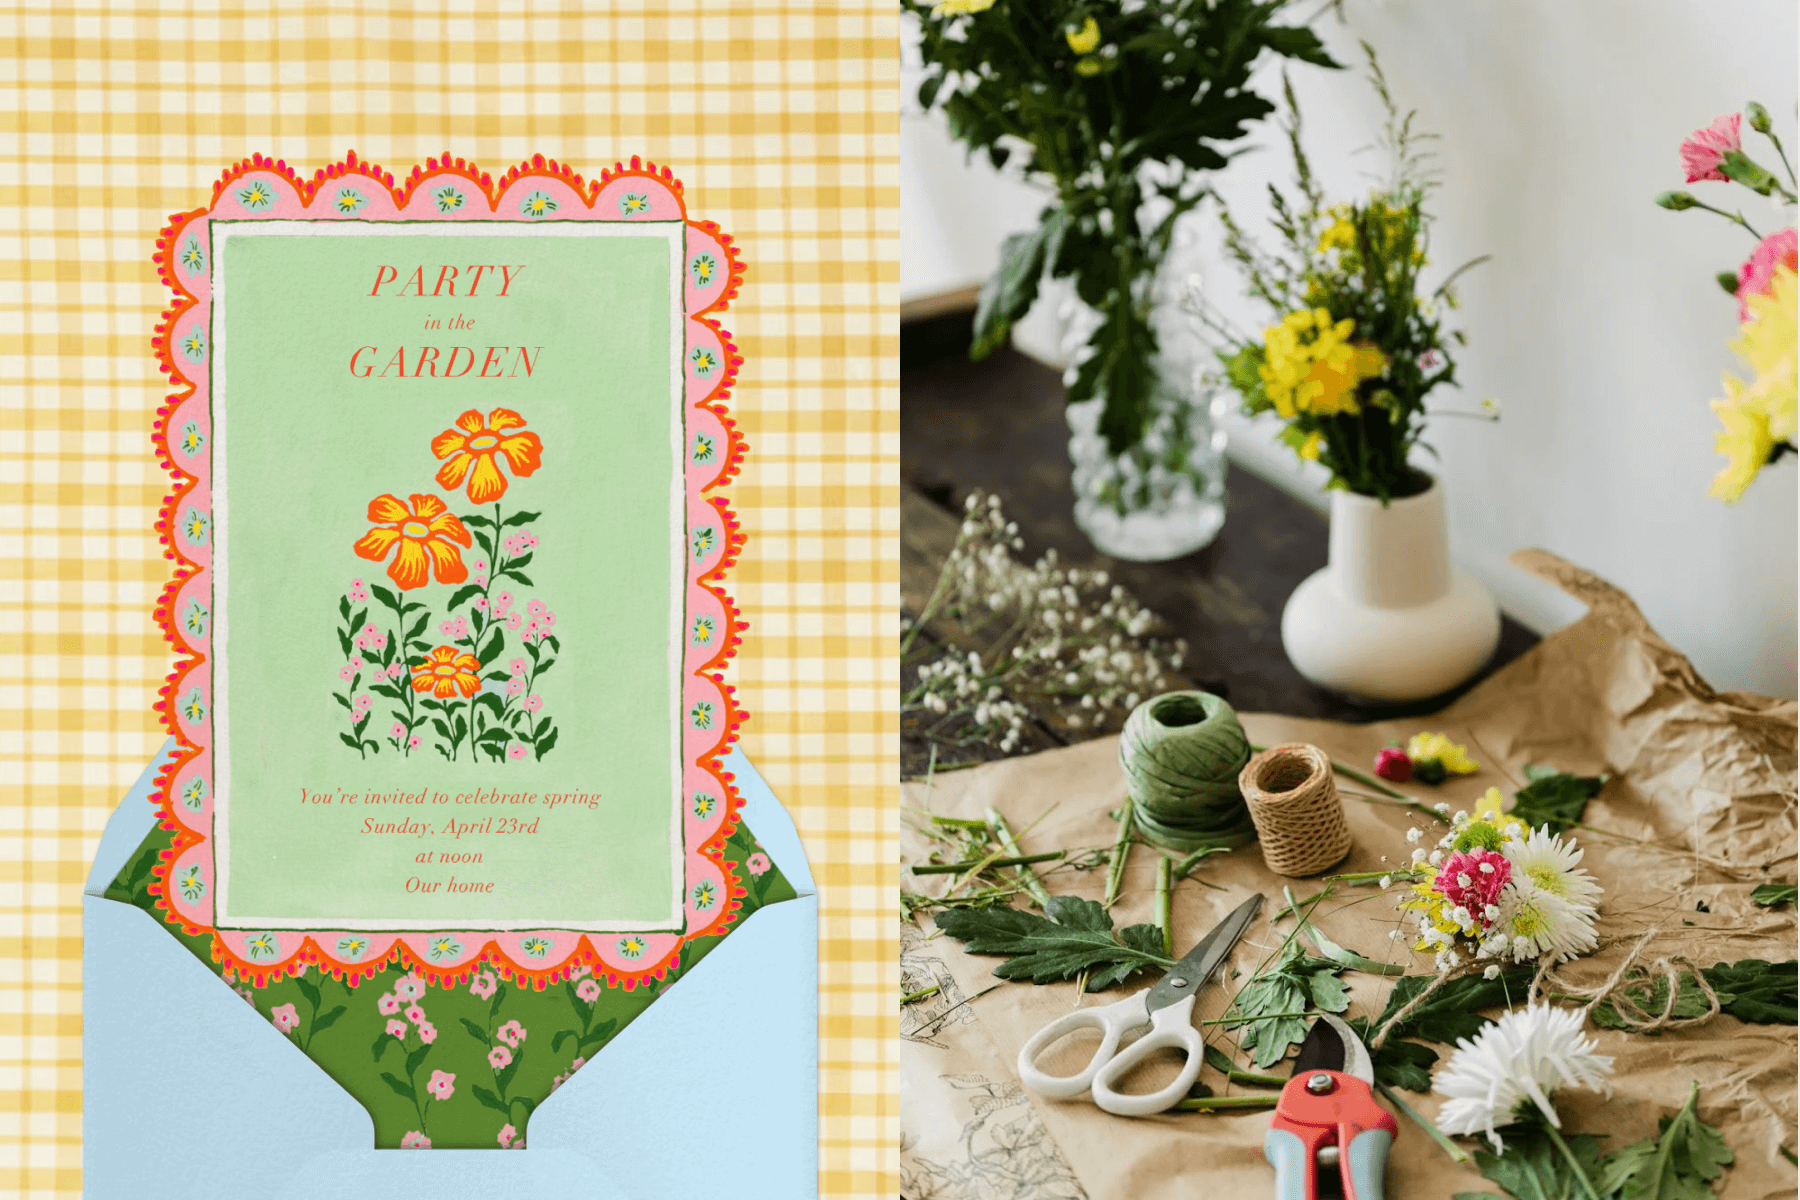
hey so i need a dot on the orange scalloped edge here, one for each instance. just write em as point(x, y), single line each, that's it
point(490, 955)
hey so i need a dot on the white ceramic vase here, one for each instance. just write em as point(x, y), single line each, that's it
point(1388, 619)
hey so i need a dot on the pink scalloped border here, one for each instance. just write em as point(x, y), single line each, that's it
point(635, 190)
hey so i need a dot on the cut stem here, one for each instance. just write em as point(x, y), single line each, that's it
point(1165, 870)
point(921, 994)
point(1115, 875)
point(1017, 861)
point(1027, 876)
point(1456, 1152)
point(1226, 1103)
point(1587, 1185)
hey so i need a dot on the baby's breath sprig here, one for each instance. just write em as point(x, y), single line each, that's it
point(1062, 643)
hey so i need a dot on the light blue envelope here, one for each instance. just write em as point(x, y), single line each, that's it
point(712, 1091)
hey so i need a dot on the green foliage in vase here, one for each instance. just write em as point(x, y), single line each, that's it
point(1120, 108)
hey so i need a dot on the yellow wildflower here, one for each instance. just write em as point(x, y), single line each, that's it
point(1089, 65)
point(957, 8)
point(1084, 40)
point(1491, 808)
point(1309, 449)
point(1745, 441)
point(1311, 366)
point(1425, 748)
point(1341, 234)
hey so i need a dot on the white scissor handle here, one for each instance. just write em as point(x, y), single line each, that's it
point(1172, 1029)
point(1113, 1021)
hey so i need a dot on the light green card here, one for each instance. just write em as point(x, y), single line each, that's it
point(388, 691)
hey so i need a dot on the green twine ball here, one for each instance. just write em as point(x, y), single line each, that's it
point(1181, 753)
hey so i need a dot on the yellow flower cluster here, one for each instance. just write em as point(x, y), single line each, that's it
point(1311, 366)
point(1761, 413)
point(960, 7)
point(1430, 747)
point(1341, 233)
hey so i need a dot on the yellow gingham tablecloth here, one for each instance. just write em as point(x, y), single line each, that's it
point(782, 122)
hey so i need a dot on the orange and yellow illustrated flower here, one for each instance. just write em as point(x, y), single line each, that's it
point(427, 534)
point(448, 672)
point(474, 443)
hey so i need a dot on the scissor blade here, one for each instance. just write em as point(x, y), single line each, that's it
point(1190, 974)
point(1331, 1045)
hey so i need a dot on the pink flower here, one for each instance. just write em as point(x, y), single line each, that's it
point(535, 608)
point(529, 539)
point(442, 1084)
point(409, 986)
point(757, 863)
point(415, 1014)
point(415, 1140)
point(533, 702)
point(481, 601)
point(504, 599)
point(396, 671)
point(557, 1082)
point(413, 742)
point(507, 1134)
point(588, 990)
point(248, 995)
point(388, 1005)
point(1393, 764)
point(284, 1016)
point(370, 631)
point(1757, 275)
point(516, 620)
point(577, 1065)
point(581, 972)
point(397, 1028)
point(517, 666)
point(481, 564)
point(516, 751)
point(362, 705)
point(359, 591)
point(532, 632)
point(427, 1033)
point(398, 731)
point(1473, 880)
point(1704, 148)
point(514, 686)
point(512, 1033)
point(483, 985)
point(547, 619)
point(356, 662)
point(346, 672)
point(498, 1057)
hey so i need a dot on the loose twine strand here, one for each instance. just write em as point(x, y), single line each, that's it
point(1631, 975)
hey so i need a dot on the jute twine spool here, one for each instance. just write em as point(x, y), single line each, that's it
point(1294, 802)
point(1181, 753)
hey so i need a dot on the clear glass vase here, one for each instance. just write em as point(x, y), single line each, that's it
point(1164, 497)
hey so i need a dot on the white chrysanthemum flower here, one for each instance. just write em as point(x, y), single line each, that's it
point(1554, 866)
point(1541, 922)
point(1514, 1062)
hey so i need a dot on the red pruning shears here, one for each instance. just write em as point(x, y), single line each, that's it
point(1328, 1116)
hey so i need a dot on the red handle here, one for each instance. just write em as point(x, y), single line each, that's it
point(1331, 1116)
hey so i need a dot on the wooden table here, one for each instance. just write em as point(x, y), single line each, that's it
point(998, 425)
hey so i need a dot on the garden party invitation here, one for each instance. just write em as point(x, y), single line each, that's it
point(449, 617)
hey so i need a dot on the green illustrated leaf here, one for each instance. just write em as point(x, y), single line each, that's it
point(478, 522)
point(494, 1004)
point(343, 700)
point(457, 599)
point(476, 1031)
point(415, 1058)
point(384, 595)
point(492, 652)
point(400, 1087)
point(1762, 993)
point(326, 1021)
point(487, 1099)
point(1404, 1064)
point(383, 689)
point(1678, 1164)
point(1774, 895)
point(344, 642)
point(308, 989)
point(344, 607)
point(1074, 935)
point(546, 744)
point(598, 1036)
point(351, 742)
point(380, 1046)
point(357, 621)
point(524, 560)
point(520, 576)
point(1554, 798)
point(562, 1035)
point(505, 1074)
point(520, 518)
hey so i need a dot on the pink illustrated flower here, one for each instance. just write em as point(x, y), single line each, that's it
point(388, 1005)
point(481, 564)
point(530, 540)
point(557, 1082)
point(362, 705)
point(346, 672)
point(514, 686)
point(396, 671)
point(415, 1014)
point(516, 751)
point(483, 985)
point(413, 742)
point(516, 620)
point(359, 591)
point(409, 986)
point(1704, 148)
point(370, 630)
point(757, 863)
point(533, 632)
point(517, 666)
point(442, 1084)
point(397, 1028)
point(507, 1134)
point(498, 1057)
point(415, 1140)
point(547, 619)
point(284, 1016)
point(427, 1033)
point(533, 702)
point(512, 1033)
point(504, 599)
point(588, 990)
point(1393, 764)
point(581, 972)
point(1757, 275)
point(512, 545)
point(398, 731)
point(355, 663)
point(1473, 880)
point(481, 601)
point(248, 995)
point(535, 608)
point(577, 1065)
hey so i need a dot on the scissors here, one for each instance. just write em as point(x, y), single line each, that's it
point(1168, 1008)
point(1327, 1116)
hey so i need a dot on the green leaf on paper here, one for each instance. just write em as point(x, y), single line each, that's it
point(1761, 993)
point(1291, 985)
point(1404, 1064)
point(1532, 1168)
point(1678, 1164)
point(325, 1022)
point(487, 1099)
point(1774, 895)
point(400, 1086)
point(1453, 1011)
point(1554, 798)
point(1652, 996)
point(476, 1031)
point(1074, 936)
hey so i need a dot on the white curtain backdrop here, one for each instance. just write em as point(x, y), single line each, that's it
point(1597, 327)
